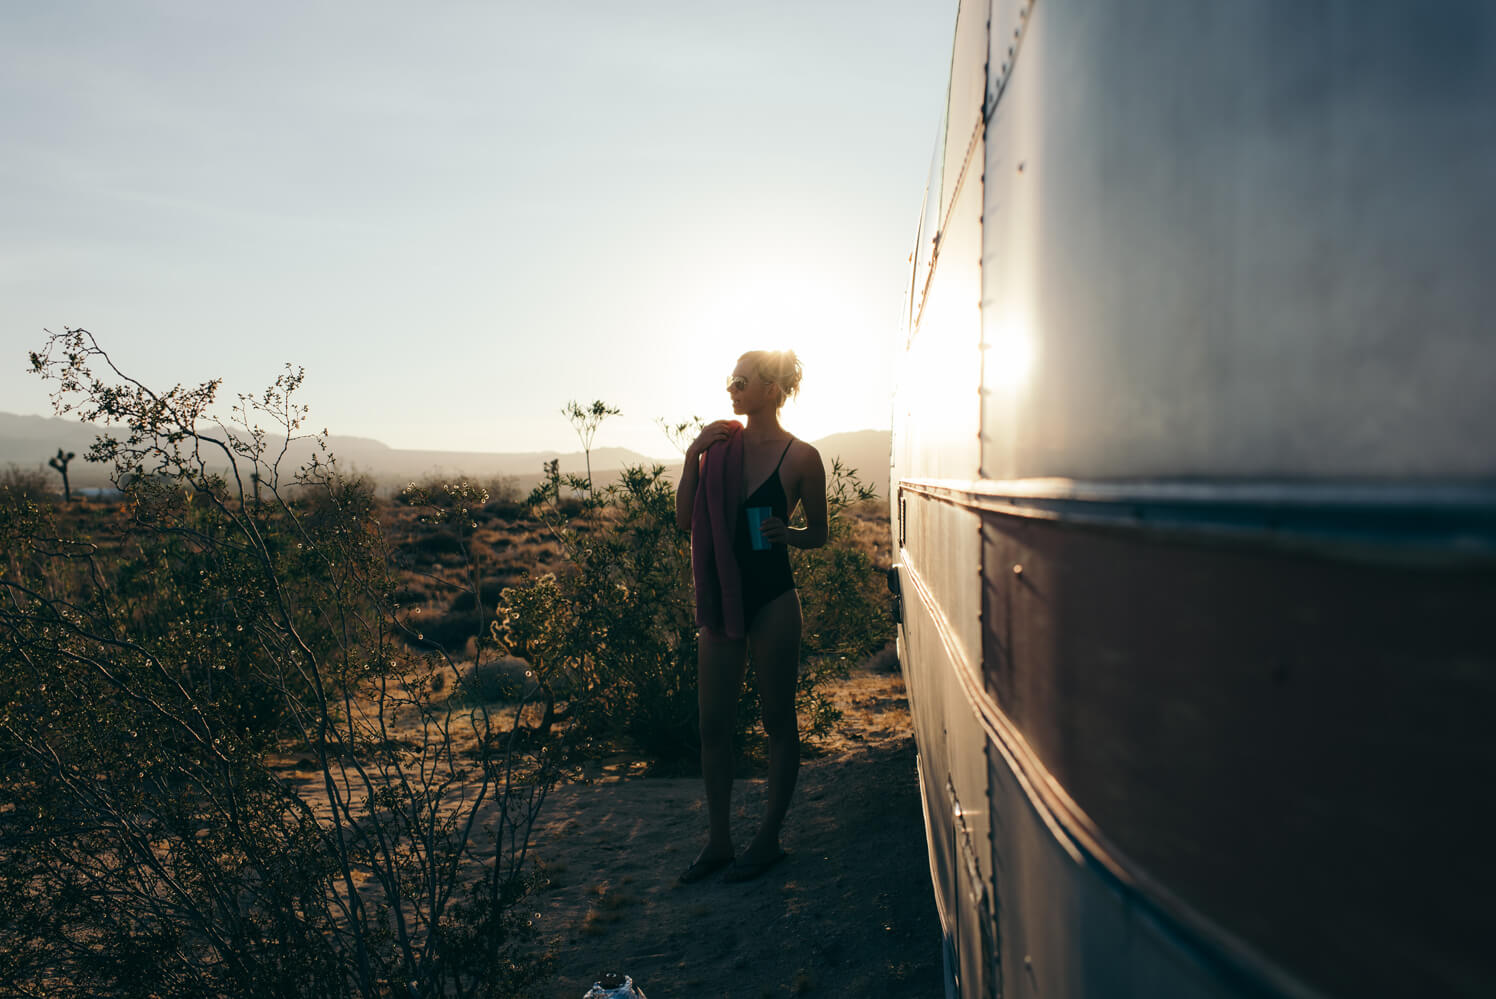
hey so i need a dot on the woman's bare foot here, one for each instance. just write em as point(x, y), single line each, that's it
point(754, 862)
point(710, 861)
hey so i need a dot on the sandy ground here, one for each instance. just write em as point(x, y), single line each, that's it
point(849, 913)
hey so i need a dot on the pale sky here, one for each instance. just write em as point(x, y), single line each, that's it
point(459, 215)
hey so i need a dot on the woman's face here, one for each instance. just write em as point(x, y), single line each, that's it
point(749, 392)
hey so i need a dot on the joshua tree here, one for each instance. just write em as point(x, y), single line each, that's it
point(61, 464)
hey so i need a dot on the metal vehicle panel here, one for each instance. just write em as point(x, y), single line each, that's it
point(1195, 500)
point(1180, 196)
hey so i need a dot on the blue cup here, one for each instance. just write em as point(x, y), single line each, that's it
point(756, 517)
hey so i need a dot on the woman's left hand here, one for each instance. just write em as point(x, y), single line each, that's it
point(775, 531)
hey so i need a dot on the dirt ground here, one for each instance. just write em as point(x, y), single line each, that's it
point(849, 913)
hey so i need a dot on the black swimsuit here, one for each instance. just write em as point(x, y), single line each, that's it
point(765, 572)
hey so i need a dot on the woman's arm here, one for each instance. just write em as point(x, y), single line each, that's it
point(812, 501)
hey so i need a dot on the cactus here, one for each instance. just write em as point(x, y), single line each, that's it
point(61, 464)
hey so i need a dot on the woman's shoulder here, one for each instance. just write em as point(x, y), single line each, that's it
point(803, 456)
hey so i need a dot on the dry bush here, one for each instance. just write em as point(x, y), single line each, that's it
point(612, 636)
point(505, 501)
point(497, 681)
point(443, 492)
point(18, 483)
point(149, 847)
point(434, 544)
point(449, 633)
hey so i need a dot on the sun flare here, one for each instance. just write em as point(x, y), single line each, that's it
point(847, 365)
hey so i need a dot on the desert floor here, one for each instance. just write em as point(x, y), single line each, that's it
point(849, 913)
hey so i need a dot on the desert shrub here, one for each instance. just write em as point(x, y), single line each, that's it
point(449, 632)
point(340, 494)
point(842, 591)
point(407, 594)
point(504, 489)
point(436, 543)
point(843, 598)
point(148, 845)
point(483, 597)
point(505, 501)
point(507, 511)
point(447, 509)
point(490, 588)
point(494, 681)
point(615, 632)
point(443, 492)
point(17, 483)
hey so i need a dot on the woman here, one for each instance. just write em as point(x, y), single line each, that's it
point(745, 593)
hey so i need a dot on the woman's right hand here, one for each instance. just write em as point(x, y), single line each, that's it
point(713, 433)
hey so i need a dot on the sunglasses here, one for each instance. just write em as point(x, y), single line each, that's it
point(736, 383)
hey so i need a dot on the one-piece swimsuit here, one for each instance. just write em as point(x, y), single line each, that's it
point(765, 572)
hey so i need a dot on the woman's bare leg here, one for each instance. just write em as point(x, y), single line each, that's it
point(719, 673)
point(774, 647)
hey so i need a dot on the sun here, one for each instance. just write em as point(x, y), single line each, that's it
point(825, 322)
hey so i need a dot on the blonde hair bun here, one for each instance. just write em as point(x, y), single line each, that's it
point(781, 367)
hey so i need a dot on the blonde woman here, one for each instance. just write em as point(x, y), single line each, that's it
point(737, 491)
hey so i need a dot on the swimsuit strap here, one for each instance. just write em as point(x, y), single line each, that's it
point(782, 454)
point(774, 475)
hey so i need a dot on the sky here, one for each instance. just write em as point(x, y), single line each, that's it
point(457, 216)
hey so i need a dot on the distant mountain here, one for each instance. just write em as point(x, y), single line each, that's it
point(864, 451)
point(28, 441)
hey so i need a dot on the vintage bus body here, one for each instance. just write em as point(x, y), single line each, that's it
point(1194, 498)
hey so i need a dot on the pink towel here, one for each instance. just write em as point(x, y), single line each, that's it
point(714, 567)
